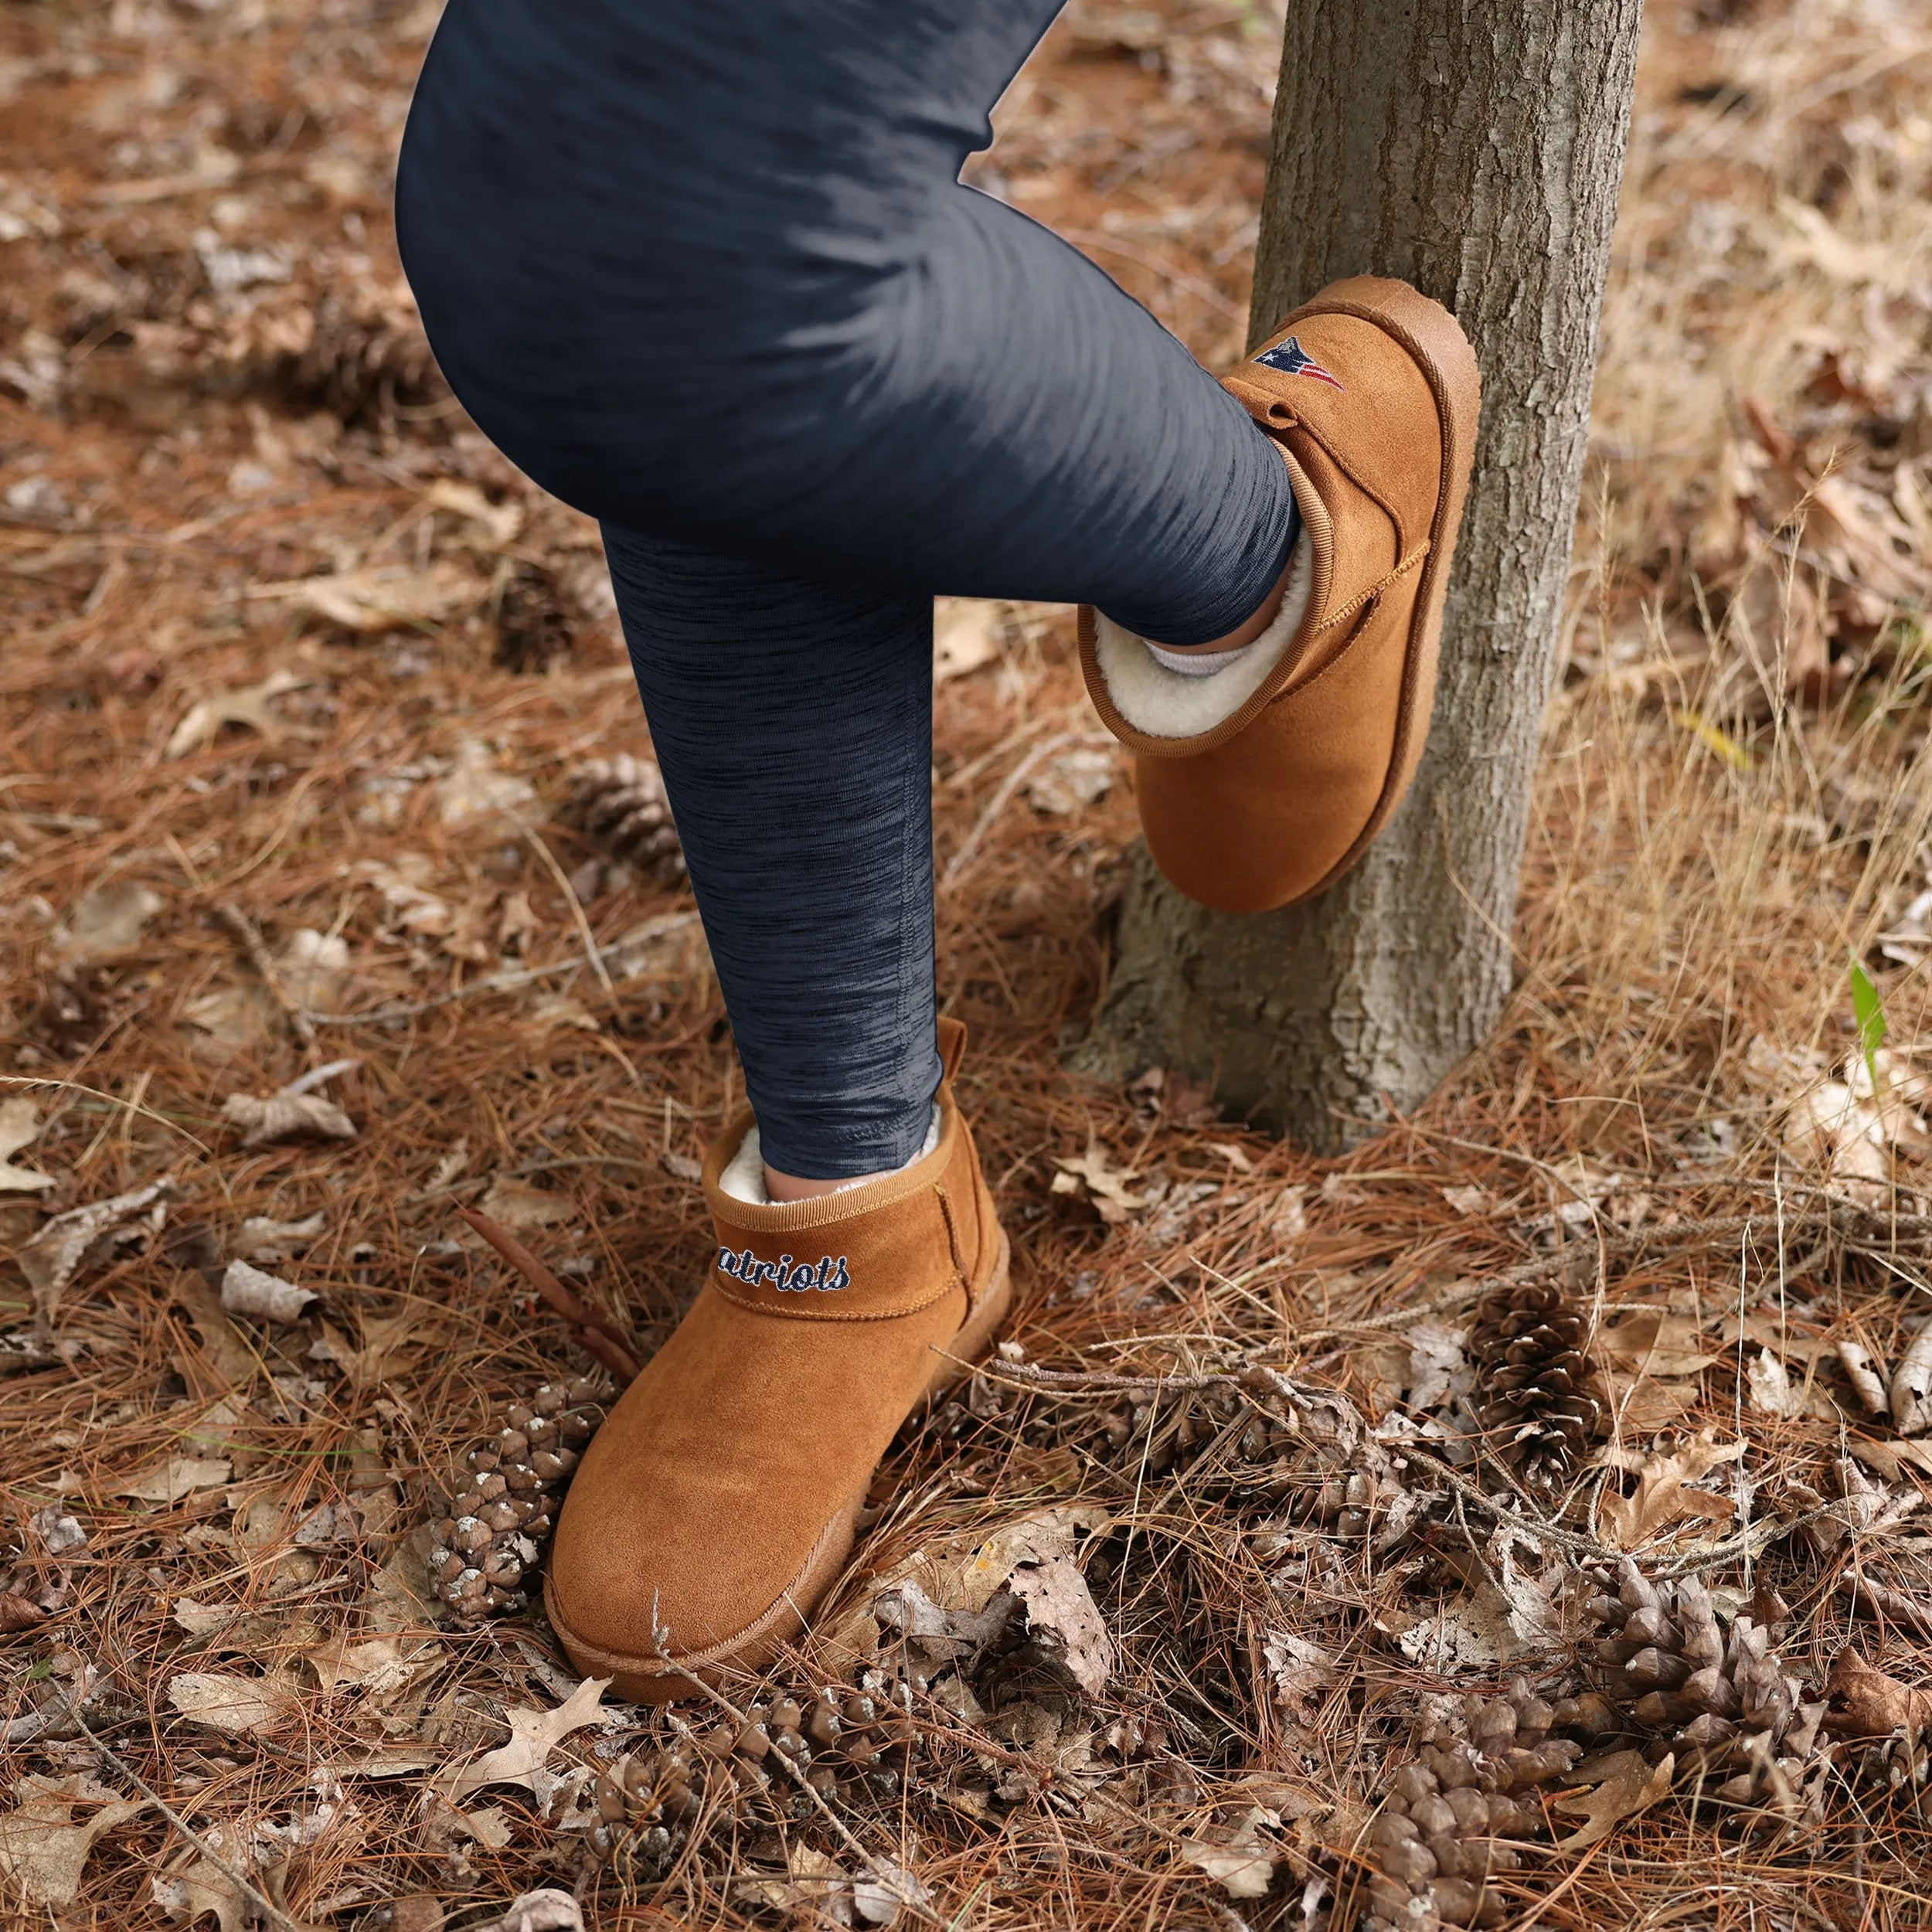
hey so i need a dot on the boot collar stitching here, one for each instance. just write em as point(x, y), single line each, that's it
point(1375, 590)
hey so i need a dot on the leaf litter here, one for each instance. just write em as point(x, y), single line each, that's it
point(1722, 1246)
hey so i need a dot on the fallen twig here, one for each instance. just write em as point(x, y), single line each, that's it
point(252, 942)
point(589, 1330)
point(271, 1912)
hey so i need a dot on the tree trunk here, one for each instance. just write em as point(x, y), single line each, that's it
point(1476, 152)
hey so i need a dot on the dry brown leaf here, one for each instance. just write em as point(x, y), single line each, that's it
point(815, 1886)
point(230, 1356)
point(409, 905)
point(54, 1256)
point(107, 925)
point(225, 1701)
point(266, 1298)
point(1063, 1619)
point(189, 1895)
point(1865, 1702)
point(18, 1613)
point(1470, 1632)
point(19, 1127)
point(314, 968)
point(385, 596)
point(295, 1112)
point(286, 1116)
point(246, 704)
point(962, 1574)
point(1654, 1344)
point(561, 1009)
point(547, 1910)
point(1242, 1862)
point(965, 636)
point(1911, 1390)
point(516, 923)
point(177, 1477)
point(1862, 1372)
point(58, 1531)
point(1094, 1176)
point(1628, 1785)
point(43, 1852)
point(1891, 1459)
point(368, 1365)
point(516, 1204)
point(1773, 1392)
point(476, 790)
point(1300, 1672)
point(1664, 1496)
point(880, 1896)
point(1646, 1406)
point(500, 522)
point(261, 1238)
point(534, 1734)
point(1834, 1128)
point(377, 1666)
point(1076, 778)
point(1436, 1371)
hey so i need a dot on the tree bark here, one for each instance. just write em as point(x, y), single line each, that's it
point(1475, 152)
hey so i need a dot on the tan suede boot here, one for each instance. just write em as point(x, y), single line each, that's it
point(1265, 781)
point(718, 1502)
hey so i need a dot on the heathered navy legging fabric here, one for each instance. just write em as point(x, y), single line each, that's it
point(704, 269)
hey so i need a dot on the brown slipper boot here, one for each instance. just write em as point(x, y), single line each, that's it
point(717, 1504)
point(1265, 782)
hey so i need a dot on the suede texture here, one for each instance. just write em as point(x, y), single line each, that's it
point(718, 1498)
point(1279, 797)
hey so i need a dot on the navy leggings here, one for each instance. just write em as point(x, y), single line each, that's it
point(705, 270)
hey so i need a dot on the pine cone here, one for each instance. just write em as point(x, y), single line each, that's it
point(1737, 1725)
point(488, 1543)
point(1537, 1388)
point(850, 1745)
point(621, 801)
point(533, 620)
point(1442, 1833)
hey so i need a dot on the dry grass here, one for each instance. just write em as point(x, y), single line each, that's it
point(1733, 805)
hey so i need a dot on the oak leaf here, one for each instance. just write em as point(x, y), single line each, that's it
point(19, 1127)
point(534, 1734)
point(1630, 1785)
point(42, 1851)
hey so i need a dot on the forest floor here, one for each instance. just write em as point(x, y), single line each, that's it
point(299, 683)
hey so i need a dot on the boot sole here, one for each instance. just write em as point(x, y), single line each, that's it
point(641, 1681)
point(1435, 343)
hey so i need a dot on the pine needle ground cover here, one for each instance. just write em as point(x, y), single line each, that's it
point(1520, 1522)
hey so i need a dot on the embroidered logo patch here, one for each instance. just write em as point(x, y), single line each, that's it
point(1292, 359)
point(785, 1274)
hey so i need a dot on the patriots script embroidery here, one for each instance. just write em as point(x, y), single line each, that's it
point(787, 1276)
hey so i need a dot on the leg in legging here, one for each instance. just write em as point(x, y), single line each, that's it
point(704, 269)
point(793, 721)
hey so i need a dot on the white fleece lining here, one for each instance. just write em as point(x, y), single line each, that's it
point(1171, 704)
point(743, 1178)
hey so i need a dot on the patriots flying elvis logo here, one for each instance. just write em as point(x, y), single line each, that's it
point(1292, 359)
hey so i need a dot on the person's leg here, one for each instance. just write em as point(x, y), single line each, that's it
point(705, 267)
point(705, 270)
point(804, 801)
